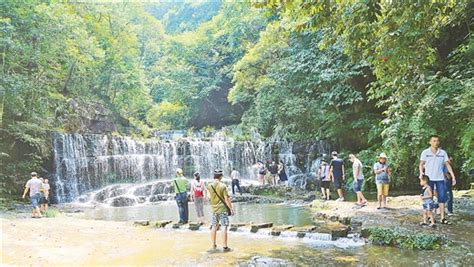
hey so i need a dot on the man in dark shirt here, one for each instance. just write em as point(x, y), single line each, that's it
point(336, 172)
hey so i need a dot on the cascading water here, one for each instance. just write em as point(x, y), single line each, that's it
point(87, 162)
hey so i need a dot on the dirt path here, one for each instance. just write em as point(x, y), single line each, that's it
point(69, 240)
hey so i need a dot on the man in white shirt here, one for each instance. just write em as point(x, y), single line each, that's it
point(34, 185)
point(432, 162)
point(235, 175)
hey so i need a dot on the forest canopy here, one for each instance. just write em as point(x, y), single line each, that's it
point(368, 76)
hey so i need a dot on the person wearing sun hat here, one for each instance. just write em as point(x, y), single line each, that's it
point(382, 173)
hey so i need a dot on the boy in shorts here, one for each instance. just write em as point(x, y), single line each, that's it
point(428, 203)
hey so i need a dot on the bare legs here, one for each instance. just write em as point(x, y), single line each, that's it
point(214, 234)
point(339, 192)
point(360, 198)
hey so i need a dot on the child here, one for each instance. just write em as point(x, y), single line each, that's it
point(428, 203)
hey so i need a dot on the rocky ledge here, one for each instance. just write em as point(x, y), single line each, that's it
point(400, 220)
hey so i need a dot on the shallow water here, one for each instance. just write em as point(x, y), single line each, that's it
point(256, 213)
point(294, 251)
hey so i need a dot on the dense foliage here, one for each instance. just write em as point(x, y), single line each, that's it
point(369, 76)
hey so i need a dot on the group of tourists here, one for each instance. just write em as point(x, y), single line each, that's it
point(216, 192)
point(272, 173)
point(39, 194)
point(436, 179)
point(334, 172)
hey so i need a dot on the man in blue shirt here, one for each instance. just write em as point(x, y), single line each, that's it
point(337, 174)
point(432, 162)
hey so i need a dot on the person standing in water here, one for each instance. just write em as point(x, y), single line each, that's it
point(45, 198)
point(337, 174)
point(274, 172)
point(323, 174)
point(221, 209)
point(282, 173)
point(181, 184)
point(261, 173)
point(235, 175)
point(198, 193)
point(358, 179)
point(34, 185)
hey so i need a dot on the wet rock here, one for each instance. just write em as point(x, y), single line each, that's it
point(142, 223)
point(141, 199)
point(303, 230)
point(143, 191)
point(161, 224)
point(122, 202)
point(178, 225)
point(157, 198)
point(276, 231)
point(258, 261)
point(194, 226)
point(254, 227)
point(336, 229)
point(235, 226)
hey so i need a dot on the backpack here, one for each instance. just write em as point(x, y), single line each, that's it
point(199, 190)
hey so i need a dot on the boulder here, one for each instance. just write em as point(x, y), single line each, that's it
point(122, 202)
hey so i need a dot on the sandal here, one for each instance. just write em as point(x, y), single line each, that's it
point(444, 221)
point(226, 249)
point(432, 225)
point(423, 224)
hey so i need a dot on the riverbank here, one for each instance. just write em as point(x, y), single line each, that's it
point(404, 213)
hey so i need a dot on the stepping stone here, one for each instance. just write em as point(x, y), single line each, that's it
point(142, 223)
point(178, 225)
point(276, 231)
point(302, 230)
point(254, 227)
point(335, 229)
point(194, 226)
point(235, 226)
point(161, 224)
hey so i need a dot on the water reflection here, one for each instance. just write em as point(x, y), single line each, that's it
point(256, 213)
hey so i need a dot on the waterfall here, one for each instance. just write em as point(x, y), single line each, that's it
point(82, 163)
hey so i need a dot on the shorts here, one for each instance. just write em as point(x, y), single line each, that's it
point(440, 188)
point(44, 200)
point(357, 186)
point(325, 184)
point(35, 199)
point(429, 206)
point(382, 189)
point(220, 218)
point(338, 182)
